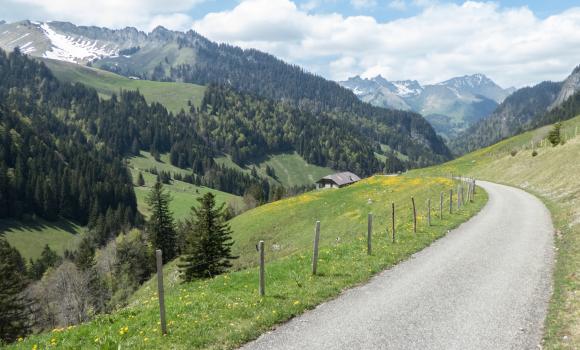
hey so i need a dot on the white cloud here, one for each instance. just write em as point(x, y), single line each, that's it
point(511, 45)
point(144, 14)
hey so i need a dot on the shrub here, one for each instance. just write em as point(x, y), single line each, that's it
point(534, 153)
point(513, 152)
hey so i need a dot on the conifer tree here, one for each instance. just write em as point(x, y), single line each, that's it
point(208, 241)
point(554, 135)
point(85, 254)
point(140, 180)
point(13, 316)
point(48, 258)
point(161, 228)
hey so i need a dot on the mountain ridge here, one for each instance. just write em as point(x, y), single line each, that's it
point(450, 106)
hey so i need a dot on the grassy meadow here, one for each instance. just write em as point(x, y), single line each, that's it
point(184, 194)
point(290, 169)
point(226, 311)
point(30, 235)
point(174, 96)
point(554, 176)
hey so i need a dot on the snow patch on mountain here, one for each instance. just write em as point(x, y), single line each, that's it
point(70, 49)
point(407, 88)
point(27, 48)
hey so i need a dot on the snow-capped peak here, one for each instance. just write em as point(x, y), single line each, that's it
point(68, 48)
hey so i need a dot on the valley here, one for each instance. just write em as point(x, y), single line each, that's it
point(163, 141)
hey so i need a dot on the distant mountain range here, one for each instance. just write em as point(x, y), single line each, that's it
point(165, 55)
point(450, 106)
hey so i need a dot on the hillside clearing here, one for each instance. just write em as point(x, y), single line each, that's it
point(184, 194)
point(290, 169)
point(174, 96)
point(31, 235)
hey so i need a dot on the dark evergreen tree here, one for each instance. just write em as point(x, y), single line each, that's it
point(160, 227)
point(13, 304)
point(208, 241)
point(554, 135)
point(140, 180)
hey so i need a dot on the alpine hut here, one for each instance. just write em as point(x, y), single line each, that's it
point(337, 180)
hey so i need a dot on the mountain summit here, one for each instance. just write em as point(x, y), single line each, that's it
point(450, 106)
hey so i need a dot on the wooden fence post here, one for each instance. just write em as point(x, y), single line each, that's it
point(414, 215)
point(160, 292)
point(471, 191)
point(369, 233)
point(393, 219)
point(315, 252)
point(429, 212)
point(262, 269)
point(474, 186)
point(441, 206)
point(458, 197)
point(462, 195)
point(451, 201)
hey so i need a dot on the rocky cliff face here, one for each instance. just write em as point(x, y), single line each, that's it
point(570, 86)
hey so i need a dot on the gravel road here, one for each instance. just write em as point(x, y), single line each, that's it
point(485, 285)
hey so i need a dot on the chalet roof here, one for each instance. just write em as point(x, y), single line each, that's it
point(340, 179)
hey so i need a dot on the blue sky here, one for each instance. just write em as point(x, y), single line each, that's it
point(516, 43)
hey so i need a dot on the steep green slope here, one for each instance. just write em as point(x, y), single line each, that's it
point(552, 175)
point(226, 311)
point(174, 96)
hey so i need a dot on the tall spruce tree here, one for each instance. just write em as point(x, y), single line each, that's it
point(208, 240)
point(13, 304)
point(161, 228)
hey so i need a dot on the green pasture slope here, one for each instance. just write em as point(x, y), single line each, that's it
point(174, 96)
point(226, 311)
point(30, 235)
point(290, 169)
point(184, 195)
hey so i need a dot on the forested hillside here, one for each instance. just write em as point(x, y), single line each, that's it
point(48, 165)
point(266, 76)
